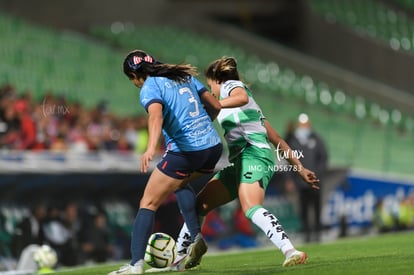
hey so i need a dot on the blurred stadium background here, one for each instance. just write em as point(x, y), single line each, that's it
point(346, 63)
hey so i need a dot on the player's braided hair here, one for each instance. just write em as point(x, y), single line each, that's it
point(139, 64)
point(223, 69)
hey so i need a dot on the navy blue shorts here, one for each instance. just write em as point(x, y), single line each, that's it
point(181, 165)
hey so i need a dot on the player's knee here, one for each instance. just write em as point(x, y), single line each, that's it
point(149, 204)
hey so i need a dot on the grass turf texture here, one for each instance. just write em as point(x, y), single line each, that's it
point(383, 254)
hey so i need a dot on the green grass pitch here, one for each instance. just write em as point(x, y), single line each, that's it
point(382, 254)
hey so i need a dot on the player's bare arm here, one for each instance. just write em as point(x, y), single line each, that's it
point(277, 141)
point(211, 104)
point(238, 97)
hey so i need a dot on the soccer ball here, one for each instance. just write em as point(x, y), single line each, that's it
point(45, 257)
point(161, 250)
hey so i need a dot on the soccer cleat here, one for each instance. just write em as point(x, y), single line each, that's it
point(297, 257)
point(178, 265)
point(137, 268)
point(195, 252)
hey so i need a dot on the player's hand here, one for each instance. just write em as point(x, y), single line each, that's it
point(145, 160)
point(310, 177)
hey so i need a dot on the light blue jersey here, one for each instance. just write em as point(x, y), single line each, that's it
point(186, 126)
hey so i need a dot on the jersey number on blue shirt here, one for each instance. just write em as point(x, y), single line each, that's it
point(191, 99)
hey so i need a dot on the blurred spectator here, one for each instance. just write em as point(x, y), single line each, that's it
point(61, 232)
point(394, 216)
point(123, 145)
point(27, 135)
point(130, 130)
point(406, 213)
point(29, 230)
point(109, 137)
point(9, 122)
point(11, 127)
point(77, 138)
point(58, 145)
point(58, 125)
point(141, 140)
point(290, 129)
point(314, 156)
point(95, 240)
point(94, 131)
point(384, 219)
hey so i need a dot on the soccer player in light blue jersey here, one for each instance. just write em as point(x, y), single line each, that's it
point(182, 109)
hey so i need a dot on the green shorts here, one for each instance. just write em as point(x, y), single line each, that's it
point(252, 165)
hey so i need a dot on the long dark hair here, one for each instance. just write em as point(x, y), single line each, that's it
point(222, 69)
point(139, 64)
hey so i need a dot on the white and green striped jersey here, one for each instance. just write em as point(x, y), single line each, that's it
point(242, 125)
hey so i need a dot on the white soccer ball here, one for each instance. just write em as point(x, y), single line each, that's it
point(45, 257)
point(161, 250)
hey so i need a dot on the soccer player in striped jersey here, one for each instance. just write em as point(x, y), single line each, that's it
point(182, 109)
point(248, 135)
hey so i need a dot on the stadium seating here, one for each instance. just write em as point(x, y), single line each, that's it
point(66, 63)
point(371, 18)
point(405, 3)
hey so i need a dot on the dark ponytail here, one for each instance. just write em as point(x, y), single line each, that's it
point(138, 64)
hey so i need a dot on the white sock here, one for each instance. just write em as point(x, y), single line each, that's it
point(271, 226)
point(184, 237)
point(183, 240)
